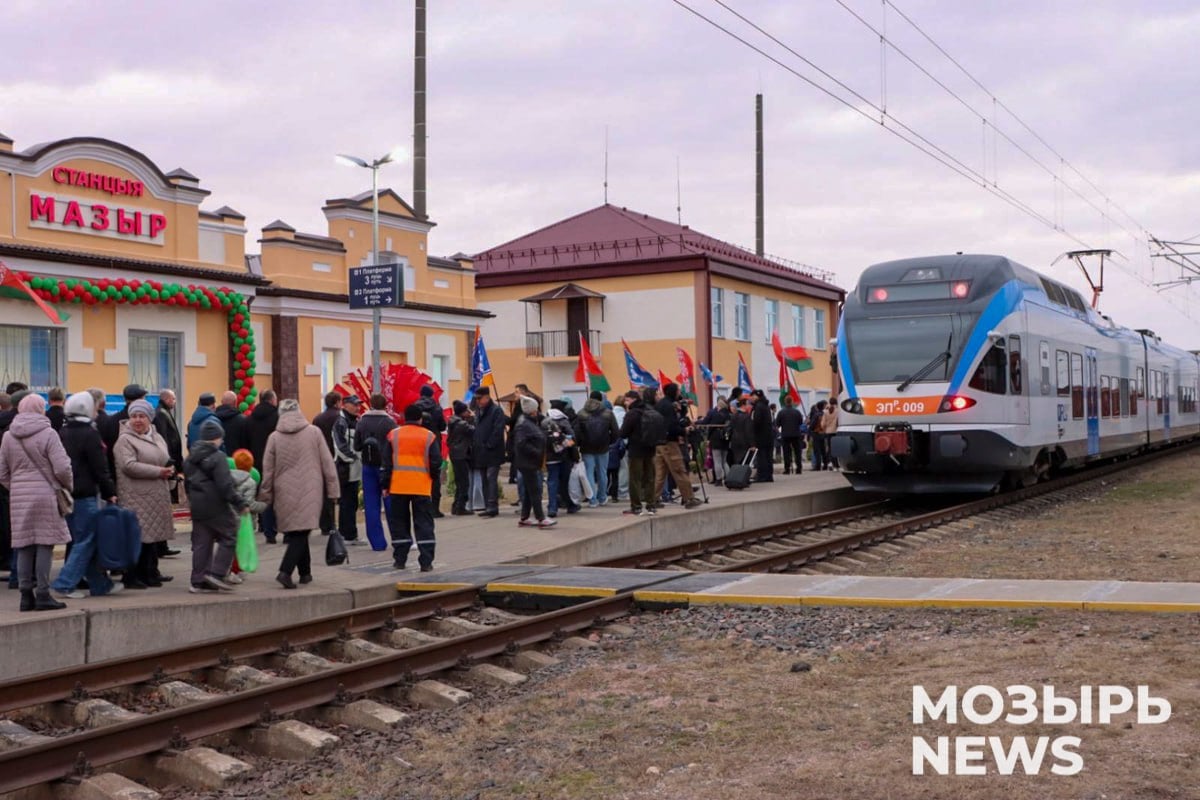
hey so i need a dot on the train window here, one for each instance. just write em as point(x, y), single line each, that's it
point(1165, 394)
point(1092, 388)
point(1074, 300)
point(1064, 373)
point(1076, 386)
point(989, 375)
point(1054, 292)
point(1105, 399)
point(1014, 364)
point(1137, 391)
point(1124, 397)
point(1156, 390)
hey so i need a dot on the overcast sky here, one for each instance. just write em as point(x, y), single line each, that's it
point(256, 98)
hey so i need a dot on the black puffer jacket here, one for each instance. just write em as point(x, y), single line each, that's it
point(458, 440)
point(432, 416)
point(211, 491)
point(764, 431)
point(487, 443)
point(631, 430)
point(529, 444)
point(789, 419)
point(88, 464)
point(234, 423)
point(259, 428)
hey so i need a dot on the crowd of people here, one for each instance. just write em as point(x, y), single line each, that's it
point(64, 459)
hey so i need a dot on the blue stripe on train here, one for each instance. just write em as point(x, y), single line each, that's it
point(1005, 302)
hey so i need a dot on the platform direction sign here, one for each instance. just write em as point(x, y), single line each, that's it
point(376, 286)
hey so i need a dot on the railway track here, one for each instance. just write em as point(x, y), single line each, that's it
point(335, 668)
point(233, 689)
point(799, 544)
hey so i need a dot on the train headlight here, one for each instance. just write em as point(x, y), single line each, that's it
point(852, 405)
point(956, 402)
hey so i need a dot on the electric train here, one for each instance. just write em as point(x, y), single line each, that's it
point(969, 373)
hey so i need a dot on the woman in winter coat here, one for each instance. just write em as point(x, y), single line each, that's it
point(741, 433)
point(92, 481)
point(33, 466)
point(297, 475)
point(529, 451)
point(144, 473)
point(716, 422)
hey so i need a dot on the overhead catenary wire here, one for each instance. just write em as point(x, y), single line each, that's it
point(923, 144)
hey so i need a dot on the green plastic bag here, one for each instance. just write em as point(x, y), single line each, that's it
point(247, 550)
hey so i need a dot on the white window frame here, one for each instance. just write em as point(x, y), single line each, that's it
point(329, 376)
point(174, 379)
point(716, 300)
point(741, 316)
point(822, 341)
point(798, 331)
point(24, 373)
point(770, 318)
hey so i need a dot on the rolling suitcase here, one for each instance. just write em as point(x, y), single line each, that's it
point(738, 476)
point(118, 537)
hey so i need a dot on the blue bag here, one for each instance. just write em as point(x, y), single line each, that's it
point(118, 537)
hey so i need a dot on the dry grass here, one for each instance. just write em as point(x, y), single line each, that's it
point(1139, 528)
point(723, 718)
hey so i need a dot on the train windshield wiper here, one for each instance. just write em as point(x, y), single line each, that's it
point(943, 356)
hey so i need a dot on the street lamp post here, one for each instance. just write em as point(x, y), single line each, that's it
point(376, 312)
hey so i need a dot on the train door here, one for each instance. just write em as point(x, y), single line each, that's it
point(1091, 395)
point(1019, 411)
point(1166, 396)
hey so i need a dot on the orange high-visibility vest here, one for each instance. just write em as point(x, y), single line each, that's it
point(410, 460)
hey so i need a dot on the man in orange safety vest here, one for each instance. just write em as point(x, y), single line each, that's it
point(412, 460)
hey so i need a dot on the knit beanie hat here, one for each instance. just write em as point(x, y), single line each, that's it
point(426, 391)
point(459, 407)
point(141, 407)
point(211, 430)
point(80, 404)
point(32, 404)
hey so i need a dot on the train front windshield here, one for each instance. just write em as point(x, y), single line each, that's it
point(893, 349)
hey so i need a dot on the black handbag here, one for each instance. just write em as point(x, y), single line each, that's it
point(335, 550)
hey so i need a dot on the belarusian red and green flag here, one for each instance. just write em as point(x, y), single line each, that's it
point(12, 286)
point(795, 357)
point(588, 370)
point(687, 374)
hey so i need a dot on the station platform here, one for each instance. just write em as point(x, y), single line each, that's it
point(553, 587)
point(94, 629)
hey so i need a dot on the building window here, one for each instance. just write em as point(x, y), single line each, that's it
point(387, 243)
point(798, 325)
point(741, 316)
point(410, 279)
point(154, 360)
point(771, 319)
point(329, 376)
point(718, 312)
point(438, 368)
point(819, 326)
point(33, 356)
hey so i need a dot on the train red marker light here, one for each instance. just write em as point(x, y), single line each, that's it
point(957, 403)
point(879, 295)
point(960, 289)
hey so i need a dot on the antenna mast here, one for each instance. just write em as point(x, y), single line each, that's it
point(605, 165)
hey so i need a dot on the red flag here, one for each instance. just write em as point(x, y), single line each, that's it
point(588, 371)
point(687, 373)
point(663, 380)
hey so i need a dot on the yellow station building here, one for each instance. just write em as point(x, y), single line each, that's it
point(153, 283)
point(612, 273)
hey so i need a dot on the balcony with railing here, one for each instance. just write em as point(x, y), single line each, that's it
point(559, 344)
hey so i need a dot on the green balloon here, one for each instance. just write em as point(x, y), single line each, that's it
point(155, 294)
point(204, 303)
point(95, 291)
point(243, 406)
point(250, 372)
point(238, 341)
point(112, 291)
point(71, 283)
point(54, 290)
point(238, 383)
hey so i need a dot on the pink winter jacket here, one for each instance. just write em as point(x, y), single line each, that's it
point(30, 448)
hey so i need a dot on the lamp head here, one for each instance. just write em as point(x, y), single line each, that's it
point(350, 161)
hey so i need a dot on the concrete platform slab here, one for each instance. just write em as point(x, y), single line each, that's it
point(743, 589)
point(133, 622)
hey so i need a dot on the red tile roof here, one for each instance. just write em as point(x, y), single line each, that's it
point(613, 235)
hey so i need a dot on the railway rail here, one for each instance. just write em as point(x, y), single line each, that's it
point(789, 545)
point(775, 548)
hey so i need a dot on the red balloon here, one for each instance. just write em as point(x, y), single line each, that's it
point(245, 364)
point(244, 349)
point(238, 318)
point(241, 373)
point(248, 384)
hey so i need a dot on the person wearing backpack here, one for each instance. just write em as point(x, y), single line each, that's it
point(370, 432)
point(641, 430)
point(595, 432)
point(216, 509)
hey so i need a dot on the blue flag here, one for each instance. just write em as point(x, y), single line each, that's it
point(744, 382)
point(481, 368)
point(708, 376)
point(639, 376)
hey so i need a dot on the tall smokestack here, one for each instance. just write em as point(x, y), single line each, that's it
point(419, 114)
point(758, 174)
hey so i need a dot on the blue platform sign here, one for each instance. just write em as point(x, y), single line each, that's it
point(377, 286)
